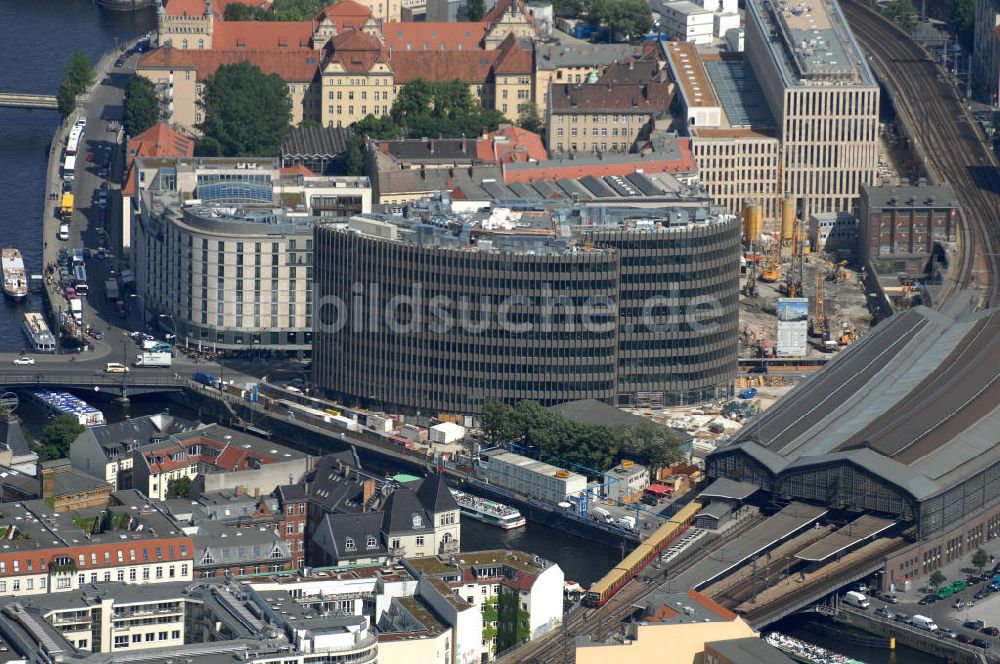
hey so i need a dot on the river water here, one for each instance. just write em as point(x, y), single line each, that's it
point(38, 38)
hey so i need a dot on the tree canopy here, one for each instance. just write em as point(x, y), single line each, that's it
point(57, 436)
point(963, 19)
point(631, 18)
point(422, 108)
point(560, 440)
point(903, 13)
point(247, 112)
point(179, 487)
point(78, 77)
point(530, 120)
point(280, 10)
point(475, 10)
point(142, 109)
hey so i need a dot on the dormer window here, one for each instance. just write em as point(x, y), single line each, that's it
point(372, 542)
point(418, 521)
point(349, 544)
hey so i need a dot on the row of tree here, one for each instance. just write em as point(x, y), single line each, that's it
point(561, 440)
point(78, 77)
point(279, 10)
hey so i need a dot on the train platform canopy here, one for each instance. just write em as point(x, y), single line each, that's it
point(790, 520)
point(843, 538)
point(730, 489)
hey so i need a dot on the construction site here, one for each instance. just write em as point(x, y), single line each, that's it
point(827, 305)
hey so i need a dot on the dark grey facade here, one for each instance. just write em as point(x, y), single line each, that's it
point(550, 313)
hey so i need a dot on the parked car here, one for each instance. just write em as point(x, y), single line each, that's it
point(981, 643)
point(24, 360)
point(958, 603)
point(901, 617)
point(974, 624)
point(883, 612)
point(962, 638)
point(891, 598)
point(990, 631)
point(982, 594)
point(948, 633)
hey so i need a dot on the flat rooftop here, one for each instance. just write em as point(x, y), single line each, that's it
point(811, 42)
point(792, 518)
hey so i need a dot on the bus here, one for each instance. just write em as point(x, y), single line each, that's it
point(75, 137)
point(80, 277)
point(69, 168)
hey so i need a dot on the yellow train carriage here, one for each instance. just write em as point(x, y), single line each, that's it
point(627, 569)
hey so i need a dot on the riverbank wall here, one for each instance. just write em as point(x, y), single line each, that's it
point(918, 639)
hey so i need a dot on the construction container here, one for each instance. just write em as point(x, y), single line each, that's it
point(787, 219)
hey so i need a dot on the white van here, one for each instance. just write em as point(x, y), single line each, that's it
point(856, 599)
point(63, 233)
point(923, 622)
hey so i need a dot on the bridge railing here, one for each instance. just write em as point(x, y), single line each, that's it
point(97, 378)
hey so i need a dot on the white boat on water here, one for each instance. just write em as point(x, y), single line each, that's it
point(38, 333)
point(807, 652)
point(64, 403)
point(15, 280)
point(488, 511)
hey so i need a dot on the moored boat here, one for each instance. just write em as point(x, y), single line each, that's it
point(38, 333)
point(15, 280)
point(488, 511)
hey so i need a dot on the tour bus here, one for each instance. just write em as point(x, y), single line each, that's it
point(73, 142)
point(80, 276)
point(69, 168)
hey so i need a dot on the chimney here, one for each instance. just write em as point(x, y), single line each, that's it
point(240, 490)
point(432, 146)
point(256, 492)
point(367, 491)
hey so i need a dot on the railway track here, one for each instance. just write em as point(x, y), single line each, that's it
point(600, 623)
point(946, 134)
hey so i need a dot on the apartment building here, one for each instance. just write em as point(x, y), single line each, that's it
point(129, 541)
point(986, 53)
point(557, 64)
point(417, 521)
point(215, 459)
point(824, 99)
point(106, 452)
point(733, 136)
point(224, 247)
point(685, 21)
point(525, 590)
point(599, 117)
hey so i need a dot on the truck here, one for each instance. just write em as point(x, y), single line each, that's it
point(204, 377)
point(76, 306)
point(111, 289)
point(66, 207)
point(153, 360)
point(856, 599)
point(627, 522)
point(155, 346)
point(923, 622)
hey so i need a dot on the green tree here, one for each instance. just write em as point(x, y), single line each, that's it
point(980, 559)
point(78, 77)
point(903, 13)
point(379, 128)
point(632, 18)
point(657, 445)
point(498, 424)
point(237, 11)
point(963, 18)
point(179, 488)
point(246, 110)
point(475, 10)
point(57, 436)
point(529, 119)
point(936, 579)
point(354, 158)
point(142, 109)
point(445, 109)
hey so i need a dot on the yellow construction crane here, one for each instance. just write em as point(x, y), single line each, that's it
point(818, 326)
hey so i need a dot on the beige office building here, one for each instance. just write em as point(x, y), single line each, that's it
point(823, 97)
point(223, 249)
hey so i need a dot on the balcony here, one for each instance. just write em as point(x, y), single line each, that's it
point(449, 547)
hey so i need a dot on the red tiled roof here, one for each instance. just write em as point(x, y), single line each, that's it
point(161, 141)
point(521, 145)
point(167, 57)
point(294, 65)
point(356, 51)
point(554, 170)
point(197, 7)
point(346, 14)
point(465, 36)
point(499, 9)
point(438, 66)
point(512, 58)
point(711, 605)
point(129, 188)
point(297, 169)
point(663, 613)
point(261, 34)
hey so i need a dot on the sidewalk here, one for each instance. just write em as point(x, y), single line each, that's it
point(957, 569)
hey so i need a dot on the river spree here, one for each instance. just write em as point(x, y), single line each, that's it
point(39, 36)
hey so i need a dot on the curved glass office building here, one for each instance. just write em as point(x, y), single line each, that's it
point(442, 312)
